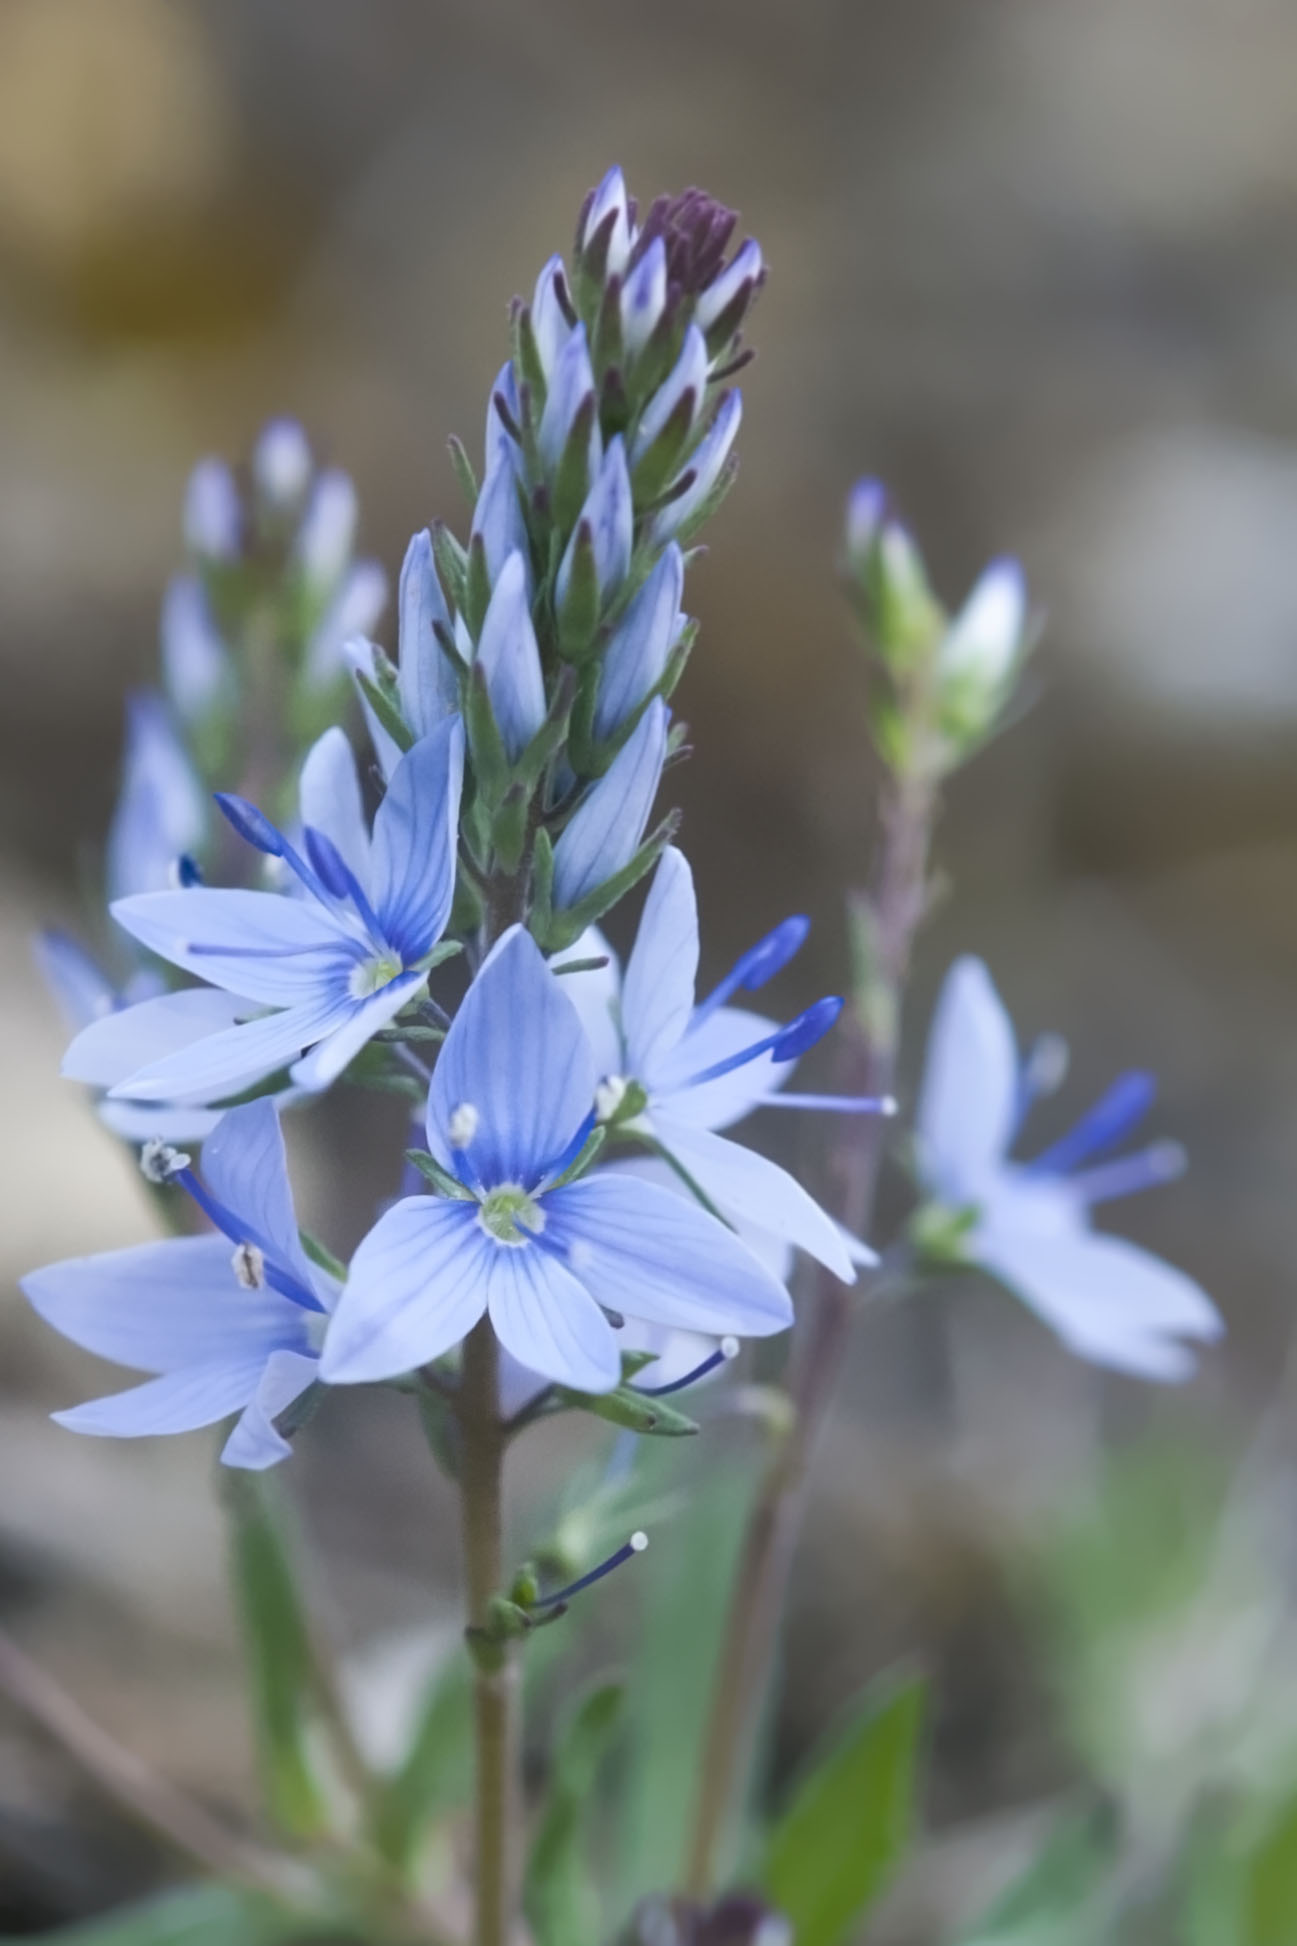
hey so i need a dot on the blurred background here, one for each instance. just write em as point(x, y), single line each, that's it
point(1032, 265)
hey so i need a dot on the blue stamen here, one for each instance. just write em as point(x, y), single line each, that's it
point(1102, 1127)
point(1160, 1162)
point(188, 871)
point(339, 879)
point(755, 967)
point(786, 1044)
point(255, 828)
point(837, 1104)
point(724, 1352)
point(635, 1545)
point(238, 1232)
point(569, 1155)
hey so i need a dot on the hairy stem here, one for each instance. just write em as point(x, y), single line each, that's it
point(890, 912)
point(495, 1673)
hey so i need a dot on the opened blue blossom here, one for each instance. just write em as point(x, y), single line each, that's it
point(551, 1262)
point(699, 1068)
point(227, 1323)
point(1028, 1223)
point(336, 963)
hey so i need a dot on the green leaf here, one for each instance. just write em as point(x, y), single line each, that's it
point(1059, 1899)
point(278, 1649)
point(1269, 1916)
point(387, 712)
point(850, 1823)
point(437, 1773)
point(631, 1410)
point(464, 473)
point(197, 1915)
point(559, 1895)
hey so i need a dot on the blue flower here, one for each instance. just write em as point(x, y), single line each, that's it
point(550, 1262)
point(196, 664)
point(605, 830)
point(509, 656)
point(636, 658)
point(1028, 1224)
point(427, 686)
point(161, 812)
point(228, 1323)
point(335, 963)
point(700, 1068)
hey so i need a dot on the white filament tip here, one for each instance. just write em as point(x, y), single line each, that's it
point(729, 1348)
point(638, 1541)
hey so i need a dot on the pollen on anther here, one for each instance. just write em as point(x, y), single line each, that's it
point(463, 1125)
point(159, 1160)
point(638, 1541)
point(249, 1266)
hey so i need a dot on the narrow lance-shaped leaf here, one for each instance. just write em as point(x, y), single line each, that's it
point(560, 1897)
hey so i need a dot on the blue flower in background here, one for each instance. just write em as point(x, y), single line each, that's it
point(336, 963)
point(1028, 1223)
point(228, 1323)
point(550, 1262)
point(702, 1067)
point(162, 811)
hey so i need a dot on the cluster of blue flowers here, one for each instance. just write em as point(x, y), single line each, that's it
point(575, 1187)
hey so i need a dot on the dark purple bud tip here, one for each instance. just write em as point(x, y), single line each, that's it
point(802, 1034)
point(252, 825)
point(696, 231)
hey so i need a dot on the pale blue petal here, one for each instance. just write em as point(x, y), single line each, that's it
point(213, 519)
point(162, 810)
point(282, 462)
point(359, 656)
point(775, 1254)
point(154, 1121)
point(656, 1256)
point(746, 267)
point(605, 831)
point(428, 688)
point(196, 665)
point(548, 319)
point(611, 196)
point(500, 443)
point(596, 995)
point(331, 1055)
point(658, 991)
point(717, 1104)
point(705, 463)
point(509, 657)
point(416, 1287)
point(497, 516)
point(225, 1064)
point(517, 1057)
point(572, 381)
point(518, 1387)
point(748, 1186)
point(181, 1402)
point(608, 517)
point(355, 610)
point(546, 1319)
point(81, 988)
point(273, 949)
point(689, 374)
point(120, 1044)
point(158, 1307)
point(330, 800)
point(636, 658)
point(255, 1443)
point(246, 1168)
point(644, 296)
point(1108, 1300)
point(968, 1102)
point(414, 842)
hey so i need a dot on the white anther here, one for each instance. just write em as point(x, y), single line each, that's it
point(463, 1125)
point(609, 1096)
point(158, 1160)
point(639, 1540)
point(249, 1265)
point(729, 1348)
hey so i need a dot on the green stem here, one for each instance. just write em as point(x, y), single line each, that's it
point(894, 907)
point(495, 1674)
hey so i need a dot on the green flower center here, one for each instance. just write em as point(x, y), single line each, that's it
point(510, 1215)
point(372, 975)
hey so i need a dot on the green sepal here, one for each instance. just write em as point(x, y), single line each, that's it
point(322, 1257)
point(572, 480)
point(387, 712)
point(280, 1657)
point(441, 1179)
point(407, 1086)
point(584, 1159)
point(509, 828)
point(711, 502)
point(477, 587)
point(594, 965)
point(416, 1033)
point(590, 265)
point(658, 466)
point(464, 473)
point(565, 927)
point(452, 563)
point(658, 358)
point(559, 1893)
point(443, 950)
point(486, 746)
point(526, 357)
point(552, 734)
point(607, 349)
point(632, 1411)
point(466, 911)
point(542, 887)
point(578, 614)
point(939, 1235)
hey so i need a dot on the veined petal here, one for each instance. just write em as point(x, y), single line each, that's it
point(636, 658)
point(178, 1402)
point(80, 986)
point(608, 517)
point(429, 691)
point(255, 1443)
point(224, 1064)
point(688, 375)
point(330, 800)
point(727, 1099)
point(644, 296)
point(549, 1321)
point(246, 1168)
point(705, 463)
point(607, 826)
point(572, 381)
point(517, 1059)
point(274, 949)
point(773, 1251)
point(416, 1287)
point(497, 516)
point(968, 1103)
point(162, 811)
point(332, 1054)
point(509, 657)
point(119, 1044)
point(644, 1251)
point(1108, 1300)
point(596, 995)
point(658, 991)
point(160, 1306)
point(744, 1184)
point(414, 841)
